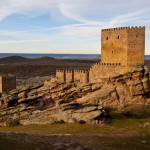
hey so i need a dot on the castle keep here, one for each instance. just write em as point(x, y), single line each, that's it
point(124, 46)
point(121, 49)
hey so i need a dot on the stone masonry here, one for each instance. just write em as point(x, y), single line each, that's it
point(72, 75)
point(7, 82)
point(121, 49)
point(124, 46)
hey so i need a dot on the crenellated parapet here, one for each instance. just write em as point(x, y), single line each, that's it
point(81, 75)
point(106, 64)
point(72, 75)
point(123, 28)
point(60, 74)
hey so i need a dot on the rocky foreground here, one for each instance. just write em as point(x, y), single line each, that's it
point(73, 102)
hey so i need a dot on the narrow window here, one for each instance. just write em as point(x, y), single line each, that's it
point(106, 38)
point(112, 52)
point(118, 37)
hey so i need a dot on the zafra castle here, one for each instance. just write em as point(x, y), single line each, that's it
point(121, 49)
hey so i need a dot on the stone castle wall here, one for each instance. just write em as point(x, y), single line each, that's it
point(81, 75)
point(7, 82)
point(114, 46)
point(69, 75)
point(72, 75)
point(60, 74)
point(100, 71)
point(136, 46)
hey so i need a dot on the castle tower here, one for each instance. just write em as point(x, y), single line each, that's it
point(124, 46)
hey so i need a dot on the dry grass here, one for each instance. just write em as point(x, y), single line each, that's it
point(101, 137)
point(120, 132)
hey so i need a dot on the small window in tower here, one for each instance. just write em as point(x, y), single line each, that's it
point(118, 37)
point(112, 52)
point(137, 36)
point(106, 38)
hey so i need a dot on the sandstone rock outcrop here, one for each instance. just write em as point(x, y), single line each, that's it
point(70, 102)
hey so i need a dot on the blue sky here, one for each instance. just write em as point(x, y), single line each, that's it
point(66, 26)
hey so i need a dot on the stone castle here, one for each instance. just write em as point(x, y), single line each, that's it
point(121, 49)
point(120, 79)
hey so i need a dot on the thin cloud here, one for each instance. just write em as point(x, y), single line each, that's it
point(129, 17)
point(26, 7)
point(24, 41)
point(8, 32)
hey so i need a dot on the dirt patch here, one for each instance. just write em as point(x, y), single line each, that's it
point(32, 81)
point(25, 141)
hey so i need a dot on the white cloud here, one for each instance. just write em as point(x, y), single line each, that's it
point(96, 10)
point(26, 7)
point(7, 32)
point(103, 14)
point(81, 31)
point(80, 10)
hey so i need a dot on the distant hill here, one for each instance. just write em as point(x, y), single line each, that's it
point(13, 59)
point(41, 66)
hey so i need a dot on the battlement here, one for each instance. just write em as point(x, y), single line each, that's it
point(69, 71)
point(71, 75)
point(123, 28)
point(80, 71)
point(107, 64)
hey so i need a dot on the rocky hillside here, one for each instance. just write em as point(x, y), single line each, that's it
point(55, 101)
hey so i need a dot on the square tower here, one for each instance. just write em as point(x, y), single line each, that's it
point(124, 46)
